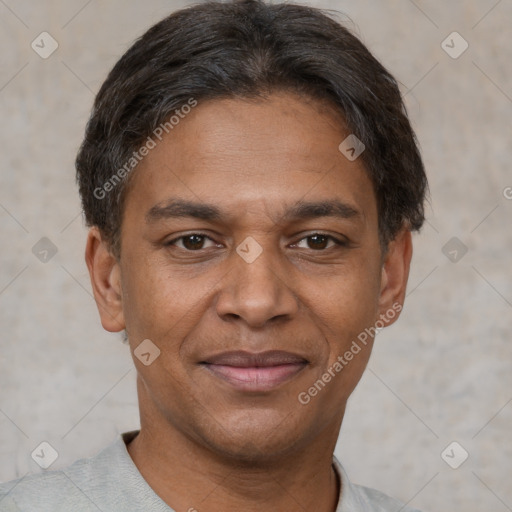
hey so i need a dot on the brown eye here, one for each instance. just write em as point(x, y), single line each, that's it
point(319, 242)
point(192, 242)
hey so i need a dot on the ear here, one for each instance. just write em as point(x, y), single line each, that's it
point(105, 275)
point(394, 276)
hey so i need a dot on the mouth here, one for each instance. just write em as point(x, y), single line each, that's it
point(263, 371)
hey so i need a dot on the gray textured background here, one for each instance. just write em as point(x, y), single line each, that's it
point(443, 373)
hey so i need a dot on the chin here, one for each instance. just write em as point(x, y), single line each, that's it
point(255, 452)
point(254, 441)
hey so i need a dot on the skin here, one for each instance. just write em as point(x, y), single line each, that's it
point(204, 444)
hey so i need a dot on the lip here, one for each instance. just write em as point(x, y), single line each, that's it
point(262, 371)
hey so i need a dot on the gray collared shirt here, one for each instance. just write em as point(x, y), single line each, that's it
point(110, 482)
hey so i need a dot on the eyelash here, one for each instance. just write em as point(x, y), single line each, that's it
point(338, 242)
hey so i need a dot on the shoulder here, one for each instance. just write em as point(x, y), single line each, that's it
point(357, 498)
point(74, 487)
point(109, 481)
point(380, 502)
point(42, 492)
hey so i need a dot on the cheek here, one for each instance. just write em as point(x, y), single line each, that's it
point(165, 305)
point(346, 303)
point(344, 314)
point(154, 302)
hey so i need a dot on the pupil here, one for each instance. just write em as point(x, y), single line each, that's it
point(196, 244)
point(317, 237)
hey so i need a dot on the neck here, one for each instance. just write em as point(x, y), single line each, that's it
point(189, 477)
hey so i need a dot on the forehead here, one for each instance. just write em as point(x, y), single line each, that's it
point(245, 155)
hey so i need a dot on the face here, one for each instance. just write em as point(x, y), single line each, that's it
point(250, 257)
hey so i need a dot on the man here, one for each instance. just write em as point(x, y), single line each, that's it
point(251, 182)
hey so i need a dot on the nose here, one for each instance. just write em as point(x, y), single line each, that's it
point(256, 292)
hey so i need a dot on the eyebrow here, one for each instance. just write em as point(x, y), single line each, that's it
point(302, 210)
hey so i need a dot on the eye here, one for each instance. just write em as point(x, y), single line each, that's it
point(319, 241)
point(190, 242)
point(316, 241)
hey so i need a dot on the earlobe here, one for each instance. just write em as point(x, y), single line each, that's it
point(105, 275)
point(394, 276)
